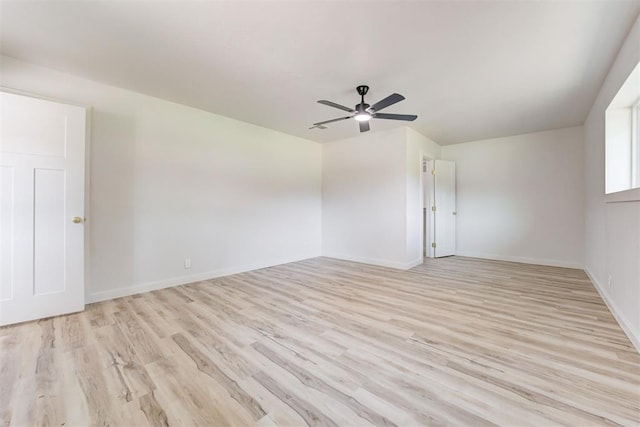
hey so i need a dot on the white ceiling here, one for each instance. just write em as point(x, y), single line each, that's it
point(469, 70)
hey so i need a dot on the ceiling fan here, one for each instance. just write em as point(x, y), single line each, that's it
point(364, 112)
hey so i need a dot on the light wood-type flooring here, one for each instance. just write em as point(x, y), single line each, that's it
point(456, 341)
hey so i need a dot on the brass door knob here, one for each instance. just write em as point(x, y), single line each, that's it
point(76, 220)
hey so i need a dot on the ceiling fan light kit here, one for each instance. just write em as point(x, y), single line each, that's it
point(364, 112)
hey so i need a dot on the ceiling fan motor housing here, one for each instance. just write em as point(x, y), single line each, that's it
point(362, 108)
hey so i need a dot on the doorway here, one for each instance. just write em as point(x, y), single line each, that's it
point(439, 208)
point(427, 213)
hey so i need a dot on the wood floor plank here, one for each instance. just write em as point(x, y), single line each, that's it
point(310, 380)
point(309, 413)
point(455, 341)
point(154, 413)
point(185, 398)
point(208, 367)
point(100, 391)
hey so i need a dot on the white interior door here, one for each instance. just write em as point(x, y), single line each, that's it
point(429, 202)
point(445, 208)
point(42, 146)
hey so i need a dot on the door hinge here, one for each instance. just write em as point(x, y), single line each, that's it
point(433, 245)
point(433, 208)
point(433, 171)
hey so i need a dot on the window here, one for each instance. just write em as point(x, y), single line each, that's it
point(622, 144)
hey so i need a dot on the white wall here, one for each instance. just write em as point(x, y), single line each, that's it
point(520, 198)
point(363, 198)
point(169, 182)
point(372, 197)
point(612, 230)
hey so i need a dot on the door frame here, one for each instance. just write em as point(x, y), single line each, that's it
point(87, 174)
point(426, 249)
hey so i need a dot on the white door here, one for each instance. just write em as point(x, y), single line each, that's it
point(42, 147)
point(429, 229)
point(445, 208)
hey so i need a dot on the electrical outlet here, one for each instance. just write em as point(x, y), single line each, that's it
point(187, 263)
point(610, 283)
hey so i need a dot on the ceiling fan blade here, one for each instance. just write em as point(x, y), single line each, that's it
point(331, 121)
point(406, 117)
point(364, 126)
point(338, 106)
point(389, 100)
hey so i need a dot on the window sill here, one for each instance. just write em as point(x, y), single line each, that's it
point(632, 195)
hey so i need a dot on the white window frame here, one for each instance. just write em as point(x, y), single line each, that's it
point(635, 145)
point(622, 102)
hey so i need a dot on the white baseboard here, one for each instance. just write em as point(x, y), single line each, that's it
point(415, 263)
point(614, 310)
point(375, 261)
point(182, 280)
point(524, 260)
